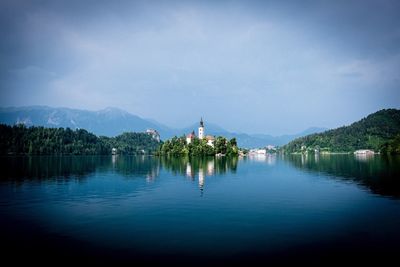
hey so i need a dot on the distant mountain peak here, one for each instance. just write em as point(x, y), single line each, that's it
point(110, 121)
point(112, 109)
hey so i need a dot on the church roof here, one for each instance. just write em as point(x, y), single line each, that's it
point(210, 137)
point(191, 135)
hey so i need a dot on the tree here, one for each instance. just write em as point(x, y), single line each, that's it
point(39, 140)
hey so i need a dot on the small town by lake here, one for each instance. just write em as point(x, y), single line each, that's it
point(228, 210)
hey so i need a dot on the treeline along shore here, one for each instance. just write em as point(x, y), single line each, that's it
point(21, 140)
point(379, 132)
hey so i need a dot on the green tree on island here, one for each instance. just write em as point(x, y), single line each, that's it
point(177, 146)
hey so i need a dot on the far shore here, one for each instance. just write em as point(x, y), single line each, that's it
point(330, 153)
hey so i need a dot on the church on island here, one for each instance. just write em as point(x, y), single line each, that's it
point(201, 135)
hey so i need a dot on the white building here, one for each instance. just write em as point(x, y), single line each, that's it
point(154, 134)
point(364, 152)
point(258, 152)
point(201, 129)
point(190, 137)
point(210, 140)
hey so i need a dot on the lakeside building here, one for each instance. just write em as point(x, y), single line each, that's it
point(210, 140)
point(201, 135)
point(190, 137)
point(201, 129)
point(364, 152)
point(270, 147)
point(258, 152)
point(154, 134)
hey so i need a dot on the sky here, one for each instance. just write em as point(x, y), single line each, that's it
point(272, 67)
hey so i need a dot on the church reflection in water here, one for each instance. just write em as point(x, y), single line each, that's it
point(200, 167)
point(20, 169)
point(209, 170)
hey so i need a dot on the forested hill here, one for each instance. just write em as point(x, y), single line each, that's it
point(379, 131)
point(19, 140)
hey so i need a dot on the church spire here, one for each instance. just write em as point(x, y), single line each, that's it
point(201, 129)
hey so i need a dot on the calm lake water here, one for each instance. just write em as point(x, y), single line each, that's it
point(273, 209)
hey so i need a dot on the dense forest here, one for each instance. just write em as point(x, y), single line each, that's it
point(178, 146)
point(19, 139)
point(379, 131)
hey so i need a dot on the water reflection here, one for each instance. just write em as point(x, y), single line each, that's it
point(199, 167)
point(364, 157)
point(53, 168)
point(270, 159)
point(380, 174)
point(316, 157)
point(56, 168)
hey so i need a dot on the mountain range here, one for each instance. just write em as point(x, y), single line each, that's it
point(114, 121)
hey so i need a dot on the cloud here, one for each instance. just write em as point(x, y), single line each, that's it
point(210, 58)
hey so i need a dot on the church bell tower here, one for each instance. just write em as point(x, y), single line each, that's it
point(201, 129)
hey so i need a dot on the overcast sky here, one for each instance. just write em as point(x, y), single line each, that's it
point(271, 67)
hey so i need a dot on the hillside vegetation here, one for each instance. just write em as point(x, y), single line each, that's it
point(47, 141)
point(379, 131)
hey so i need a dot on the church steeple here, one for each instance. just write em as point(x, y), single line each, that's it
point(201, 129)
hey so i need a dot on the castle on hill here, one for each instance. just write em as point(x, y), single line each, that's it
point(201, 135)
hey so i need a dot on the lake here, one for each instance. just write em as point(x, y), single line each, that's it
point(270, 209)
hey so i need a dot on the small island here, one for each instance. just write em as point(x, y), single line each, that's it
point(200, 145)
